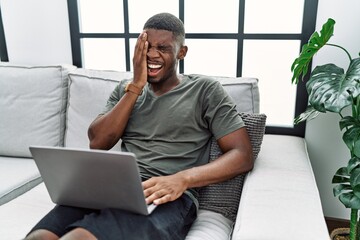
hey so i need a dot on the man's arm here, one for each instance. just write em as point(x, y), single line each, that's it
point(237, 159)
point(106, 130)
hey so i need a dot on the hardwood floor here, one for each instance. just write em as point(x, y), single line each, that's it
point(333, 223)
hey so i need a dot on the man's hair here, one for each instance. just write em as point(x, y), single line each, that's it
point(168, 22)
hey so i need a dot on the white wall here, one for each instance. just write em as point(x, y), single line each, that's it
point(37, 32)
point(326, 149)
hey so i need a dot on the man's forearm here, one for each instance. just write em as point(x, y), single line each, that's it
point(229, 165)
point(106, 130)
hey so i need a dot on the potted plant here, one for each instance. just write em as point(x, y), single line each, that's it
point(331, 90)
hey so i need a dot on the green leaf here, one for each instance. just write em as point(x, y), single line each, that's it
point(350, 200)
point(316, 41)
point(357, 148)
point(310, 113)
point(341, 176)
point(353, 163)
point(348, 121)
point(350, 136)
point(355, 177)
point(341, 189)
point(330, 89)
point(356, 190)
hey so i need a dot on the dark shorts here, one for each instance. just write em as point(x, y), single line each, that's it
point(168, 221)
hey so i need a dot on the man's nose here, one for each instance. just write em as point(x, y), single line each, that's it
point(152, 52)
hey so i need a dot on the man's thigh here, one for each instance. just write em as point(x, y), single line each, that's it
point(60, 217)
point(168, 221)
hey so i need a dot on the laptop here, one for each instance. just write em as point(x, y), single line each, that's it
point(94, 179)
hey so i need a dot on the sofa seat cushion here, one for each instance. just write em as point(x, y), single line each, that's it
point(20, 215)
point(17, 175)
point(280, 195)
point(32, 107)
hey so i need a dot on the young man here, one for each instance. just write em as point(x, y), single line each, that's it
point(167, 120)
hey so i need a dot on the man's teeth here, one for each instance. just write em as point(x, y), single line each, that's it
point(154, 66)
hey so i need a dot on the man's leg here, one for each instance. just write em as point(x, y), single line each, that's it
point(42, 234)
point(55, 223)
point(79, 233)
point(168, 221)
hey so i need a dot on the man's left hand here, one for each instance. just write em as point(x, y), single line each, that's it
point(159, 190)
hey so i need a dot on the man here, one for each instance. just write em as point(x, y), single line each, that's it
point(167, 121)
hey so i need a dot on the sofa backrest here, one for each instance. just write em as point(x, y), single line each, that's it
point(90, 89)
point(54, 105)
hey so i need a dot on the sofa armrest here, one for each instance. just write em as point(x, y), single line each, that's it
point(280, 198)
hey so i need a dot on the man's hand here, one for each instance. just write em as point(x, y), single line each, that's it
point(159, 190)
point(140, 61)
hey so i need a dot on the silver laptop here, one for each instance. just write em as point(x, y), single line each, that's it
point(91, 178)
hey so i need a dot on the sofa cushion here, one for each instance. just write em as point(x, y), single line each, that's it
point(224, 197)
point(280, 195)
point(210, 225)
point(88, 92)
point(244, 92)
point(18, 175)
point(32, 107)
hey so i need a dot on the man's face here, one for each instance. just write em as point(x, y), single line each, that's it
point(163, 54)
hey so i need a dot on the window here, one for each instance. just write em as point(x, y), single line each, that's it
point(3, 50)
point(250, 38)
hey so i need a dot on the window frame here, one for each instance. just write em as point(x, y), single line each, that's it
point(3, 49)
point(308, 27)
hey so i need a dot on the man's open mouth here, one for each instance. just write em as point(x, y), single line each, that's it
point(154, 69)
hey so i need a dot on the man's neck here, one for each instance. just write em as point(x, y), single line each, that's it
point(164, 86)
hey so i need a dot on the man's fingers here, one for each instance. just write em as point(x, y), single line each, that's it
point(159, 198)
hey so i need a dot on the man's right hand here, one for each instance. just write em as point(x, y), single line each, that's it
point(140, 61)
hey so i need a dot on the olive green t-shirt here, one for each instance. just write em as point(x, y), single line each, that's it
point(172, 132)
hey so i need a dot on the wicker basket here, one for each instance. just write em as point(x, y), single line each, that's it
point(340, 234)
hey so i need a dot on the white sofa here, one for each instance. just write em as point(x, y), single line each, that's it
point(53, 105)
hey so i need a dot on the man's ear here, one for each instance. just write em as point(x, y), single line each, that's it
point(182, 52)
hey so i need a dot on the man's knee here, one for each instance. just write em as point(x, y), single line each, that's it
point(79, 233)
point(42, 234)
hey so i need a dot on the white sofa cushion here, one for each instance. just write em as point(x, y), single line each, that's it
point(88, 92)
point(280, 199)
point(244, 92)
point(32, 107)
point(210, 226)
point(18, 175)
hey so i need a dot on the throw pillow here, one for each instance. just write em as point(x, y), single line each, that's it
point(224, 197)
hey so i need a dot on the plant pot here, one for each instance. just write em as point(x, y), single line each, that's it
point(340, 234)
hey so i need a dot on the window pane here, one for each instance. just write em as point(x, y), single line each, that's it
point(105, 16)
point(270, 61)
point(214, 17)
point(276, 16)
point(141, 10)
point(106, 54)
point(211, 57)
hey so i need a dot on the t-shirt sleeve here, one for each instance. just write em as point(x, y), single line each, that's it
point(220, 111)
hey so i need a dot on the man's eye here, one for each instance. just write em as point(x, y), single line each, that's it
point(163, 49)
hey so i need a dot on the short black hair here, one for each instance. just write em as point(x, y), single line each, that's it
point(168, 22)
